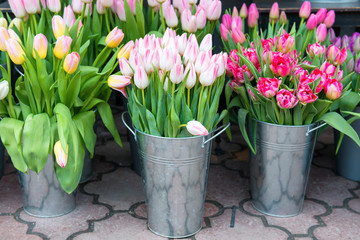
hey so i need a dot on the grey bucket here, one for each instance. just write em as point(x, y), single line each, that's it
point(43, 195)
point(280, 169)
point(348, 157)
point(175, 174)
point(88, 167)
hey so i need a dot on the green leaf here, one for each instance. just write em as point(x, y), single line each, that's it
point(73, 90)
point(131, 25)
point(10, 133)
point(36, 141)
point(85, 124)
point(108, 120)
point(140, 19)
point(152, 123)
point(242, 114)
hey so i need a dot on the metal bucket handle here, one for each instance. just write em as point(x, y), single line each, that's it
point(18, 70)
point(223, 128)
point(127, 126)
point(313, 129)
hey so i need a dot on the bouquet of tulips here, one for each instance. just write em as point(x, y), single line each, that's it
point(175, 83)
point(57, 98)
point(274, 84)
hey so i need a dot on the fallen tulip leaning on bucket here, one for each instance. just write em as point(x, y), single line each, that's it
point(174, 95)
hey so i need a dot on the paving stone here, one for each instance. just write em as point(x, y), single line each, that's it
point(11, 229)
point(10, 194)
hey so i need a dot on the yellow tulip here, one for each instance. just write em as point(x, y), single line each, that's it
point(114, 38)
point(60, 155)
point(15, 51)
point(125, 50)
point(4, 36)
point(71, 62)
point(62, 46)
point(58, 26)
point(40, 45)
point(16, 22)
point(3, 22)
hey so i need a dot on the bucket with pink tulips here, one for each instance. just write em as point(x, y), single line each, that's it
point(47, 131)
point(173, 85)
point(286, 87)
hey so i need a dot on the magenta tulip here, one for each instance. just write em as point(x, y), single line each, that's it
point(286, 99)
point(268, 87)
point(332, 89)
point(311, 22)
point(321, 32)
point(329, 19)
point(305, 10)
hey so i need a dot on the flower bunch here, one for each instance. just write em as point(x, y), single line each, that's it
point(57, 97)
point(274, 84)
point(174, 80)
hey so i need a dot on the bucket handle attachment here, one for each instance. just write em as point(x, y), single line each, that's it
point(127, 126)
point(313, 129)
point(18, 70)
point(223, 128)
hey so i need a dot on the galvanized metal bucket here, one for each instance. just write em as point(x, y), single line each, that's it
point(348, 157)
point(175, 176)
point(279, 170)
point(43, 195)
point(88, 167)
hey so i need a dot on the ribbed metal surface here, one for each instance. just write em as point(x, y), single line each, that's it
point(280, 168)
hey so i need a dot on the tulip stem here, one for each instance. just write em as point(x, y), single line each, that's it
point(34, 22)
point(276, 110)
point(201, 93)
point(83, 13)
point(162, 17)
point(306, 40)
point(143, 96)
point(357, 84)
point(9, 96)
point(272, 28)
point(301, 22)
point(188, 97)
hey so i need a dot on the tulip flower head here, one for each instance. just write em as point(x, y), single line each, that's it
point(171, 17)
point(243, 11)
point(114, 38)
point(285, 43)
point(305, 94)
point(321, 33)
point(3, 22)
point(54, 5)
point(332, 89)
point(4, 36)
point(196, 128)
point(125, 67)
point(305, 10)
point(58, 26)
point(100, 8)
point(40, 45)
point(312, 22)
point(62, 46)
point(17, 22)
point(69, 16)
point(283, 18)
point(141, 79)
point(60, 155)
point(286, 99)
point(321, 14)
point(274, 11)
point(235, 12)
point(32, 6)
point(224, 32)
point(125, 50)
point(18, 8)
point(357, 66)
point(268, 87)
point(71, 62)
point(106, 3)
point(119, 83)
point(238, 36)
point(4, 89)
point(315, 50)
point(15, 51)
point(330, 19)
point(213, 11)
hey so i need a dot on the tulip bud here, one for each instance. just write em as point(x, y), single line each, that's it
point(357, 66)
point(202, 61)
point(14, 35)
point(15, 51)
point(226, 20)
point(171, 17)
point(3, 22)
point(350, 65)
point(286, 99)
point(177, 73)
point(125, 50)
point(329, 19)
point(16, 22)
point(119, 83)
point(141, 79)
point(32, 6)
point(77, 6)
point(224, 32)
point(58, 26)
point(213, 12)
point(125, 67)
point(60, 155)
point(71, 62)
point(191, 52)
point(4, 36)
point(86, 1)
point(332, 35)
point(188, 22)
point(321, 14)
point(252, 19)
point(114, 38)
point(338, 42)
point(235, 12)
point(100, 8)
point(54, 5)
point(274, 11)
point(206, 43)
point(243, 11)
point(200, 18)
point(62, 46)
point(283, 18)
point(196, 128)
point(4, 89)
point(236, 23)
point(312, 22)
point(315, 50)
point(208, 76)
point(332, 89)
point(69, 16)
point(18, 8)
point(40, 45)
point(106, 3)
point(192, 2)
point(238, 36)
point(321, 32)
point(253, 9)
point(345, 41)
point(356, 46)
point(191, 75)
point(305, 10)
point(120, 10)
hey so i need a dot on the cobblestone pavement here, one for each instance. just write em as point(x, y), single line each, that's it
point(111, 204)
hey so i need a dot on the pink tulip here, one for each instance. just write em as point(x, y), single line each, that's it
point(252, 20)
point(106, 3)
point(332, 89)
point(221, 61)
point(119, 83)
point(243, 11)
point(71, 62)
point(154, 3)
point(188, 21)
point(213, 12)
point(321, 14)
point(200, 18)
point(206, 43)
point(281, 65)
point(193, 39)
point(61, 156)
point(166, 60)
point(196, 128)
point(253, 9)
point(114, 38)
point(315, 50)
point(286, 99)
point(238, 36)
point(18, 8)
point(132, 4)
point(148, 66)
point(235, 12)
point(100, 8)
point(335, 56)
point(156, 59)
point(321, 32)
point(209, 76)
point(285, 43)
point(191, 52)
point(268, 87)
point(329, 19)
point(202, 61)
point(15, 51)
point(62, 46)
point(182, 42)
point(58, 26)
point(43, 4)
point(54, 5)
point(40, 45)
point(118, 6)
point(14, 35)
point(312, 22)
point(305, 10)
point(191, 75)
point(181, 5)
point(315, 75)
point(305, 94)
point(236, 23)
point(32, 6)
point(87, 10)
point(226, 20)
point(177, 73)
point(274, 11)
point(283, 18)
point(224, 32)
point(4, 36)
point(330, 69)
point(69, 16)
point(77, 6)
point(141, 79)
point(171, 17)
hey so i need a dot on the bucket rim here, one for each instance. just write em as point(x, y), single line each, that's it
point(180, 138)
point(290, 126)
